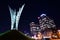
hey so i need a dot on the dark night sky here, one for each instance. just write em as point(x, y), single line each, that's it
point(32, 9)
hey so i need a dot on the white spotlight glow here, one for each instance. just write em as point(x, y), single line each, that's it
point(15, 18)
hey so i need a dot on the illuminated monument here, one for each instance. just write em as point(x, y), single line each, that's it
point(15, 18)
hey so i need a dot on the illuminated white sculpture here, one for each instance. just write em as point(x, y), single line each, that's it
point(15, 18)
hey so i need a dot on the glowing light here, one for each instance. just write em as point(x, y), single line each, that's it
point(18, 15)
point(43, 15)
point(34, 37)
point(15, 18)
point(58, 33)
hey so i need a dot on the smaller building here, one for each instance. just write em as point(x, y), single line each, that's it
point(34, 28)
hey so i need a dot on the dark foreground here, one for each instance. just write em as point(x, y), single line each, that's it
point(14, 35)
